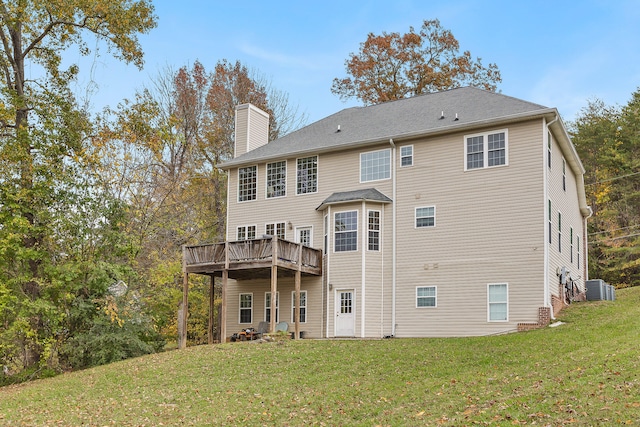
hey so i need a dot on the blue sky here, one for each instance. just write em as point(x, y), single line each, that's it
point(559, 54)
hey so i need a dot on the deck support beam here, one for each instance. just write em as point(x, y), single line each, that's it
point(274, 283)
point(296, 313)
point(182, 339)
point(211, 310)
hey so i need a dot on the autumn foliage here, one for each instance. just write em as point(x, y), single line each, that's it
point(395, 66)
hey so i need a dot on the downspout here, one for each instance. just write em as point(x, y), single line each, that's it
point(545, 165)
point(393, 239)
point(363, 270)
point(585, 247)
point(328, 272)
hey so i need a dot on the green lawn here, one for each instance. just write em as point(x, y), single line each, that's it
point(584, 372)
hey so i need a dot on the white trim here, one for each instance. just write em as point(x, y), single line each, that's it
point(415, 217)
point(238, 186)
point(303, 227)
point(240, 308)
point(293, 305)
point(435, 297)
point(275, 228)
point(412, 156)
point(333, 226)
point(317, 174)
point(266, 179)
point(497, 302)
point(485, 149)
point(327, 272)
point(379, 231)
point(269, 306)
point(360, 169)
point(394, 237)
point(363, 270)
point(246, 232)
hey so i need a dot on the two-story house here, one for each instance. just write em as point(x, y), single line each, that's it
point(456, 213)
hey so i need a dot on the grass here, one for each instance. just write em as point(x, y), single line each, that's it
point(584, 372)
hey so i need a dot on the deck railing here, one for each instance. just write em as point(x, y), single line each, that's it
point(253, 250)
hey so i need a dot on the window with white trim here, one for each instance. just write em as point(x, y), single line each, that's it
point(373, 226)
point(550, 227)
point(549, 140)
point(247, 183)
point(326, 233)
point(246, 232)
point(303, 306)
point(267, 307)
point(375, 165)
point(571, 244)
point(307, 175)
point(276, 179)
point(564, 174)
point(406, 156)
point(246, 308)
point(486, 150)
point(559, 232)
point(426, 296)
point(498, 299)
point(425, 217)
point(346, 231)
point(277, 229)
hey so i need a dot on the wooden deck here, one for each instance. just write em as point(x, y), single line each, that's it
point(248, 259)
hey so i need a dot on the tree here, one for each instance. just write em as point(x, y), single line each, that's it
point(171, 141)
point(607, 140)
point(46, 161)
point(394, 66)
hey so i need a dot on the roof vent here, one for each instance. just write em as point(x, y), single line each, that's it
point(456, 119)
point(442, 115)
point(338, 129)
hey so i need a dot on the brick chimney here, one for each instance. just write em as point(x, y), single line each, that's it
point(251, 129)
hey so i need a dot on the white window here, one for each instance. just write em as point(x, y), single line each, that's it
point(346, 231)
point(247, 183)
point(326, 233)
point(375, 165)
point(498, 297)
point(303, 306)
point(276, 229)
point(426, 217)
point(550, 227)
point(267, 307)
point(373, 226)
point(485, 150)
point(571, 244)
point(246, 308)
point(307, 175)
point(426, 296)
point(549, 140)
point(246, 232)
point(406, 156)
point(559, 232)
point(276, 179)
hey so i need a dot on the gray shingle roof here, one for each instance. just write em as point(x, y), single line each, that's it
point(396, 119)
point(367, 194)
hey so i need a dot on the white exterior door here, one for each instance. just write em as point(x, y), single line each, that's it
point(345, 313)
point(304, 235)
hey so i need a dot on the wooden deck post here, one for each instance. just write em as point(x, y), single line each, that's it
point(274, 282)
point(182, 339)
point(211, 310)
point(296, 313)
point(223, 296)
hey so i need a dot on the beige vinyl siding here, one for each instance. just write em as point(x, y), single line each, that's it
point(259, 287)
point(566, 203)
point(489, 229)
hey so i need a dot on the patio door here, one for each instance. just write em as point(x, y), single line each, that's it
point(304, 235)
point(345, 313)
